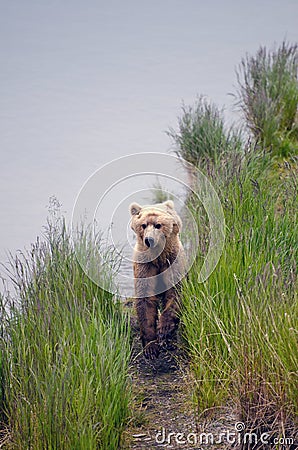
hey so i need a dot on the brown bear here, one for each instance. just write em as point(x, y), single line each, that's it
point(158, 268)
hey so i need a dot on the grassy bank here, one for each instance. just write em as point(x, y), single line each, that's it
point(241, 325)
point(65, 353)
point(65, 342)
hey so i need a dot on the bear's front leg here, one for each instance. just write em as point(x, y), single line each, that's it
point(147, 316)
point(169, 319)
point(147, 307)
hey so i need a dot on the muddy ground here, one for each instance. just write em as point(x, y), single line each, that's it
point(164, 413)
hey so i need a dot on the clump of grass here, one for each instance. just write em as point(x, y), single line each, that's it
point(159, 194)
point(202, 133)
point(268, 97)
point(65, 351)
point(241, 325)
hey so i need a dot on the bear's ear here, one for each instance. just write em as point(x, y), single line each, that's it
point(169, 204)
point(134, 208)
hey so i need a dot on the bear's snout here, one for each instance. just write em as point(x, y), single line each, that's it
point(149, 241)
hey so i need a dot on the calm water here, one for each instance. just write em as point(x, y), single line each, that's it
point(83, 84)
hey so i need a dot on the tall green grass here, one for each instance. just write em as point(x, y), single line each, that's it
point(268, 97)
point(65, 351)
point(202, 133)
point(241, 325)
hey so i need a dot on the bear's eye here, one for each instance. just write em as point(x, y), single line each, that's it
point(157, 225)
point(144, 226)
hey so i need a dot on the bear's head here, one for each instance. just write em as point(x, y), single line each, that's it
point(154, 225)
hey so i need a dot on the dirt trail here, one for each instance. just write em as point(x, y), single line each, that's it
point(163, 403)
point(162, 392)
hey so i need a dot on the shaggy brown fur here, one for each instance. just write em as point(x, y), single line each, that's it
point(158, 263)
